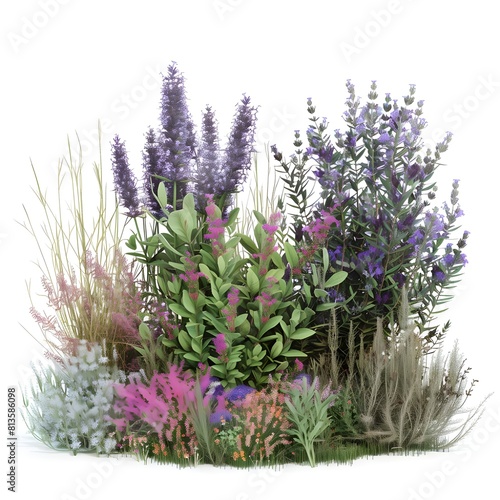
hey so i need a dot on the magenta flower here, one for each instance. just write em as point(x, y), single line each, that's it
point(231, 311)
point(220, 344)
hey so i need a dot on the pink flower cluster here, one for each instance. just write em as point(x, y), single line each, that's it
point(216, 228)
point(263, 421)
point(231, 310)
point(269, 246)
point(266, 302)
point(161, 407)
point(191, 276)
point(220, 344)
point(318, 232)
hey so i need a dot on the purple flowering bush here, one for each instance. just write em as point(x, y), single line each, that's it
point(375, 177)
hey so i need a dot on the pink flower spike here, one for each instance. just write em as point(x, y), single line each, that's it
point(220, 343)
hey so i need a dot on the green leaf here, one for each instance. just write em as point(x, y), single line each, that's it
point(144, 331)
point(191, 357)
point(260, 218)
point(326, 260)
point(197, 345)
point(269, 324)
point(253, 282)
point(276, 349)
point(269, 367)
point(195, 330)
point(256, 350)
point(320, 294)
point(221, 264)
point(184, 340)
point(233, 215)
point(179, 310)
point(302, 333)
point(166, 244)
point(188, 302)
point(132, 242)
point(248, 244)
point(326, 306)
point(291, 255)
point(294, 353)
point(188, 205)
point(181, 224)
point(335, 279)
point(162, 195)
point(205, 270)
point(218, 370)
point(240, 319)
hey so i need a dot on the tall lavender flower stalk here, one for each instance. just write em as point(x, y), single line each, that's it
point(176, 140)
point(209, 175)
point(222, 175)
point(238, 158)
point(124, 179)
point(153, 172)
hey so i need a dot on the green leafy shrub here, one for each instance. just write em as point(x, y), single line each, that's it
point(308, 412)
point(215, 292)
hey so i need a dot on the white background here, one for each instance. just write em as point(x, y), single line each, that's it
point(67, 64)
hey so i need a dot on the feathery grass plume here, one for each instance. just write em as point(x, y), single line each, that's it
point(124, 179)
point(82, 268)
point(407, 397)
point(200, 414)
point(68, 403)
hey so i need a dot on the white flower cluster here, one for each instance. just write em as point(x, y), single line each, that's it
point(69, 403)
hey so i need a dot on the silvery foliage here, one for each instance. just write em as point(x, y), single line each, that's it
point(68, 403)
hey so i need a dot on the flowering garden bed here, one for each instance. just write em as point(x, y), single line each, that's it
point(302, 331)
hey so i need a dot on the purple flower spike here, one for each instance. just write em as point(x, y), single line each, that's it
point(124, 179)
point(210, 176)
point(176, 139)
point(238, 157)
point(153, 172)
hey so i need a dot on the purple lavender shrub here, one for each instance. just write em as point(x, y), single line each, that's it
point(376, 176)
